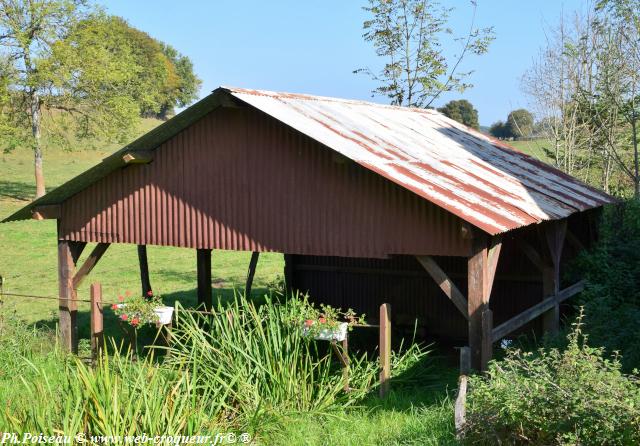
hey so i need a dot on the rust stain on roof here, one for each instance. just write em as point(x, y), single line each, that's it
point(481, 180)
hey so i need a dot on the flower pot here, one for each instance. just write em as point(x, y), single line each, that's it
point(164, 314)
point(338, 333)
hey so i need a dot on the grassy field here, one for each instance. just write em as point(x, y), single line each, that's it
point(29, 266)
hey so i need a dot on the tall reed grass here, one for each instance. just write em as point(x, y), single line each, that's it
point(245, 367)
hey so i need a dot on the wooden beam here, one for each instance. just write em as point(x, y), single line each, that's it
point(575, 241)
point(477, 298)
point(67, 305)
point(47, 211)
point(205, 293)
point(486, 352)
point(252, 271)
point(89, 264)
point(530, 314)
point(555, 235)
point(385, 349)
point(532, 254)
point(97, 321)
point(493, 256)
point(143, 262)
point(138, 157)
point(460, 405)
point(445, 283)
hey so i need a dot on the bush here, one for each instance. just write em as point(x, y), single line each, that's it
point(575, 396)
point(611, 299)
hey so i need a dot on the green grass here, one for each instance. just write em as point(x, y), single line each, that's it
point(533, 148)
point(28, 263)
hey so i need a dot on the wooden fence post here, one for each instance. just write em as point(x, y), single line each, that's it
point(385, 348)
point(97, 325)
point(461, 400)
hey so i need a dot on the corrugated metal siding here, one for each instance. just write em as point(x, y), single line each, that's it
point(481, 180)
point(364, 284)
point(239, 179)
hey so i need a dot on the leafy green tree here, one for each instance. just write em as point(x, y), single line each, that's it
point(520, 123)
point(70, 69)
point(408, 35)
point(28, 29)
point(461, 111)
point(499, 130)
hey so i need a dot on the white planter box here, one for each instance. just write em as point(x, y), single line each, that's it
point(164, 314)
point(336, 334)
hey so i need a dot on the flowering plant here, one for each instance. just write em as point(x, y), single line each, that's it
point(137, 310)
point(317, 321)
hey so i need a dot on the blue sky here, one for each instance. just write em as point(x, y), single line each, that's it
point(313, 47)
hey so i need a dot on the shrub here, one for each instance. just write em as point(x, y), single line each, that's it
point(575, 396)
point(611, 299)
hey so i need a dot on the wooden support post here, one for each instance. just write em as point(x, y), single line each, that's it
point(252, 271)
point(144, 269)
point(68, 254)
point(486, 352)
point(97, 325)
point(477, 301)
point(288, 274)
point(345, 368)
point(445, 283)
point(385, 349)
point(461, 400)
point(205, 293)
point(555, 235)
point(89, 264)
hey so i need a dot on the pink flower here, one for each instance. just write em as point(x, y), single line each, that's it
point(322, 320)
point(308, 323)
point(127, 293)
point(124, 317)
point(114, 306)
point(150, 293)
point(134, 321)
point(121, 298)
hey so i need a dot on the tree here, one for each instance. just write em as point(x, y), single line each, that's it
point(461, 111)
point(407, 34)
point(27, 31)
point(586, 87)
point(520, 123)
point(72, 70)
point(499, 130)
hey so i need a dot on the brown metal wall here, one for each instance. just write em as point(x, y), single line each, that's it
point(364, 284)
point(241, 180)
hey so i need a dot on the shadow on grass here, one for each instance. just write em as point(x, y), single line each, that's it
point(16, 190)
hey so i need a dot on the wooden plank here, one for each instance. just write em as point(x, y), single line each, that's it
point(67, 304)
point(205, 293)
point(252, 271)
point(143, 262)
point(465, 360)
point(492, 262)
point(528, 315)
point(409, 273)
point(137, 157)
point(532, 254)
point(445, 283)
point(487, 339)
point(477, 299)
point(89, 264)
point(97, 321)
point(385, 349)
point(555, 235)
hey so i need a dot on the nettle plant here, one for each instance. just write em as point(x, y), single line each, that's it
point(318, 319)
point(137, 310)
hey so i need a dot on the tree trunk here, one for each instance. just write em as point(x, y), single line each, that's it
point(634, 136)
point(37, 150)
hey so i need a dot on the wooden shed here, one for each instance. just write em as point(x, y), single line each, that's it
point(368, 203)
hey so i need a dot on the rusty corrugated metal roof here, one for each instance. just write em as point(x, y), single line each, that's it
point(481, 180)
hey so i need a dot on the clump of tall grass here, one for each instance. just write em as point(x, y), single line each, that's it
point(264, 361)
point(244, 367)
